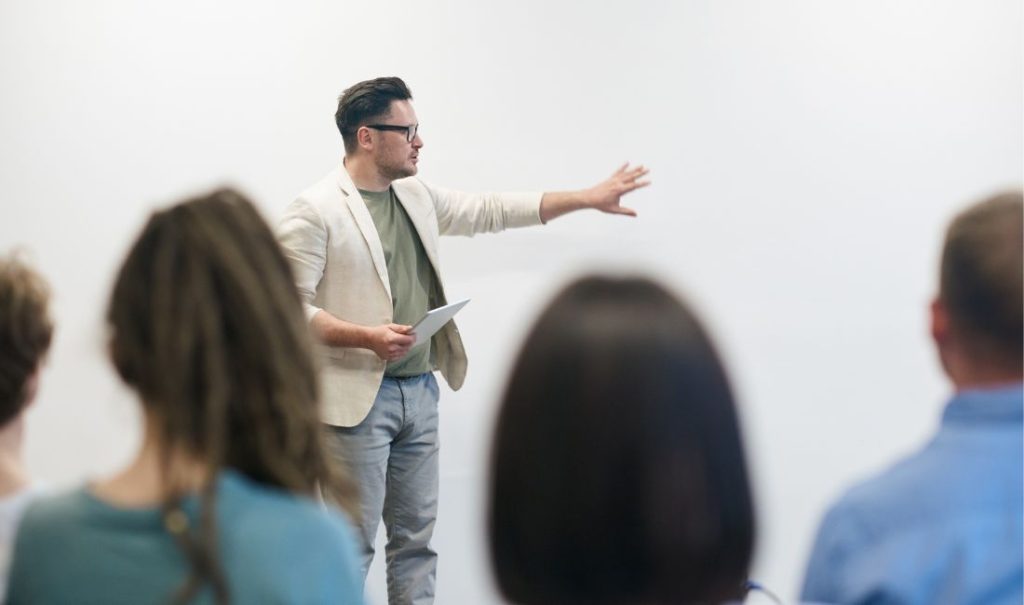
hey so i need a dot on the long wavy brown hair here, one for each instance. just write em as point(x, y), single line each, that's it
point(207, 327)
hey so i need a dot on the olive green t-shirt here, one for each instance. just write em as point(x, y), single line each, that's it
point(409, 272)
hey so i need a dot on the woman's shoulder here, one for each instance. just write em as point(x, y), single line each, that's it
point(56, 522)
point(52, 509)
point(260, 510)
point(285, 543)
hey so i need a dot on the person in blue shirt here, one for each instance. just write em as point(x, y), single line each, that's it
point(219, 505)
point(945, 524)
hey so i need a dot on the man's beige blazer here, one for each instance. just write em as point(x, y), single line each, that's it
point(335, 252)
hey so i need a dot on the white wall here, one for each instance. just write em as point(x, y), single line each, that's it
point(806, 155)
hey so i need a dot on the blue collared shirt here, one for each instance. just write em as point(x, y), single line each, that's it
point(941, 526)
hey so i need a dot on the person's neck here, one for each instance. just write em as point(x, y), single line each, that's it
point(145, 482)
point(13, 474)
point(966, 375)
point(986, 382)
point(365, 174)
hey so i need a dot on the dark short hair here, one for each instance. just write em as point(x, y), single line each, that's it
point(25, 332)
point(618, 472)
point(364, 102)
point(980, 279)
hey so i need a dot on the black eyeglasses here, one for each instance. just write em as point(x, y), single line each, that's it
point(410, 131)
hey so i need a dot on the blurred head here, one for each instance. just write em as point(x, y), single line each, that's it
point(377, 121)
point(977, 316)
point(207, 326)
point(25, 333)
point(618, 473)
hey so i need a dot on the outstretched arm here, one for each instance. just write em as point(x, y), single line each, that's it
point(604, 196)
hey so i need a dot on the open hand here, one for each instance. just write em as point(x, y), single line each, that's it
point(605, 196)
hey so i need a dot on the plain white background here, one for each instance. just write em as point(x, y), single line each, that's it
point(806, 155)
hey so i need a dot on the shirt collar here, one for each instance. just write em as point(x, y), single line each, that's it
point(998, 405)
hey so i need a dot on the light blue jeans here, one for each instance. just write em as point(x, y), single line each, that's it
point(393, 456)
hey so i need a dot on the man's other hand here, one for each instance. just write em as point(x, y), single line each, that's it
point(390, 342)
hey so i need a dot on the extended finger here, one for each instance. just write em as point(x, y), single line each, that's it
point(635, 174)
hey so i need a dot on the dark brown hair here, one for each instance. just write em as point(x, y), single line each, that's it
point(25, 332)
point(366, 101)
point(980, 280)
point(207, 327)
point(618, 473)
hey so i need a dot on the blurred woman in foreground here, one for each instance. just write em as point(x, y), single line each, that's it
point(219, 504)
point(618, 474)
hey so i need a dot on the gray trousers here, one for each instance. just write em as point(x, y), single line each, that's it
point(393, 456)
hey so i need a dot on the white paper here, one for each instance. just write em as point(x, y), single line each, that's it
point(434, 320)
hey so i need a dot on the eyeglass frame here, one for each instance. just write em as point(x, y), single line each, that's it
point(410, 131)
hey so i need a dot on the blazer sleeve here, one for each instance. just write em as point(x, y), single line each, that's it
point(303, 236)
point(460, 213)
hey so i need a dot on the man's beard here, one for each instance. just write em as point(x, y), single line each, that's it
point(396, 171)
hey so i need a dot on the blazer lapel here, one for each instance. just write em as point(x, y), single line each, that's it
point(366, 226)
point(414, 210)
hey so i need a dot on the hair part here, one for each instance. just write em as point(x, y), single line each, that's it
point(207, 326)
point(25, 332)
point(618, 473)
point(365, 102)
point(980, 280)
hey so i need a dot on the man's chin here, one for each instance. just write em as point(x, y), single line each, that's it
point(402, 173)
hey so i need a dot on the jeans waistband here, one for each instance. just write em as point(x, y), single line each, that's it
point(407, 378)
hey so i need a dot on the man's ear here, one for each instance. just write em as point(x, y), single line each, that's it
point(31, 387)
point(939, 323)
point(364, 137)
